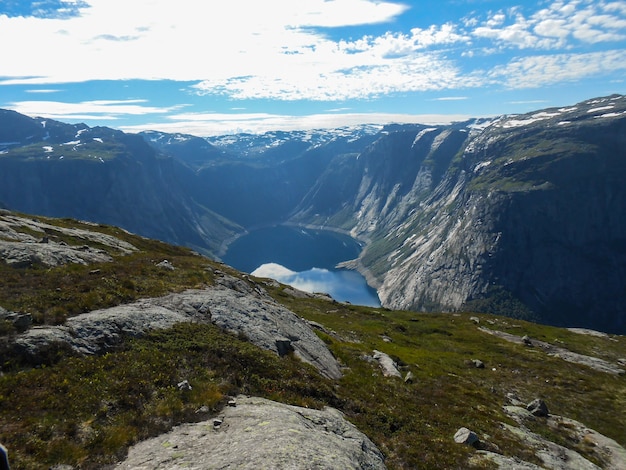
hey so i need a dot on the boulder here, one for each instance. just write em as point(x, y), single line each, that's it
point(259, 433)
point(538, 407)
point(387, 365)
point(465, 436)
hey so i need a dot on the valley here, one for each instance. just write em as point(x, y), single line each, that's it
point(518, 215)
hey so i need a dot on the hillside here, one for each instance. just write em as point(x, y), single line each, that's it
point(519, 215)
point(109, 338)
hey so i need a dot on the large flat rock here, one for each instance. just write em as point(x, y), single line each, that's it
point(260, 434)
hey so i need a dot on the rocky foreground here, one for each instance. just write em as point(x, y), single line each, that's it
point(253, 433)
point(475, 387)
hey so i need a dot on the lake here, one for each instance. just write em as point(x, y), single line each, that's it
point(305, 259)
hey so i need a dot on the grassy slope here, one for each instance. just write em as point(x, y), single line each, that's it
point(87, 411)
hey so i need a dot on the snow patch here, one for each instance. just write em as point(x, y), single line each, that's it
point(610, 115)
point(601, 108)
point(534, 118)
point(482, 165)
point(422, 134)
point(48, 149)
point(98, 139)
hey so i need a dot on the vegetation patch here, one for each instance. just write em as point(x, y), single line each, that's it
point(87, 411)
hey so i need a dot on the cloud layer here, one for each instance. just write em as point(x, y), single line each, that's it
point(330, 52)
point(282, 49)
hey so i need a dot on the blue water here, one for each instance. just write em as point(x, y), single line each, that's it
point(304, 259)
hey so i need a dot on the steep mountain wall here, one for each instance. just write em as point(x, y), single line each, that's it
point(528, 222)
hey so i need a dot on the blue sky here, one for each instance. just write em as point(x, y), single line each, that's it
point(211, 67)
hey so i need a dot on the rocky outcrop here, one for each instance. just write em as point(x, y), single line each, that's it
point(245, 311)
point(560, 352)
point(28, 241)
point(258, 433)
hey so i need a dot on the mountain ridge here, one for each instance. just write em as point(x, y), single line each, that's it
point(486, 214)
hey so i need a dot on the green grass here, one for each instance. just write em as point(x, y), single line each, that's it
point(86, 411)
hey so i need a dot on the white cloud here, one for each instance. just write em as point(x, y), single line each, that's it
point(278, 49)
point(42, 90)
point(451, 98)
point(557, 26)
point(273, 271)
point(538, 71)
point(220, 124)
point(100, 109)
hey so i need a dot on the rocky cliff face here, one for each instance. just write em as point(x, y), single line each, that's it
point(530, 214)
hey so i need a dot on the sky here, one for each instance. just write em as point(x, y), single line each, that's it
point(210, 68)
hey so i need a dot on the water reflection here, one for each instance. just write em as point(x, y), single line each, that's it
point(341, 285)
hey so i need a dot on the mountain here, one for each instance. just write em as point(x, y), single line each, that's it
point(102, 175)
point(120, 351)
point(523, 215)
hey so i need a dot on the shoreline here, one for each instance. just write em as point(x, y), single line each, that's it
point(353, 264)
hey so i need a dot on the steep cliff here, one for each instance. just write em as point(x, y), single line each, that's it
point(529, 220)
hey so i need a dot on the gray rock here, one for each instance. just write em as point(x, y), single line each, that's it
point(409, 378)
point(165, 264)
point(259, 433)
point(502, 462)
point(538, 407)
point(552, 456)
point(465, 436)
point(387, 365)
point(605, 450)
point(184, 385)
point(21, 255)
point(478, 363)
point(252, 314)
point(21, 321)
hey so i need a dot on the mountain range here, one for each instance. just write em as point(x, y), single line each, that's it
point(520, 215)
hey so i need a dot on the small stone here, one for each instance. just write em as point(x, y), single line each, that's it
point(232, 403)
point(475, 320)
point(538, 407)
point(478, 363)
point(409, 378)
point(217, 423)
point(165, 264)
point(465, 436)
point(526, 340)
point(184, 385)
